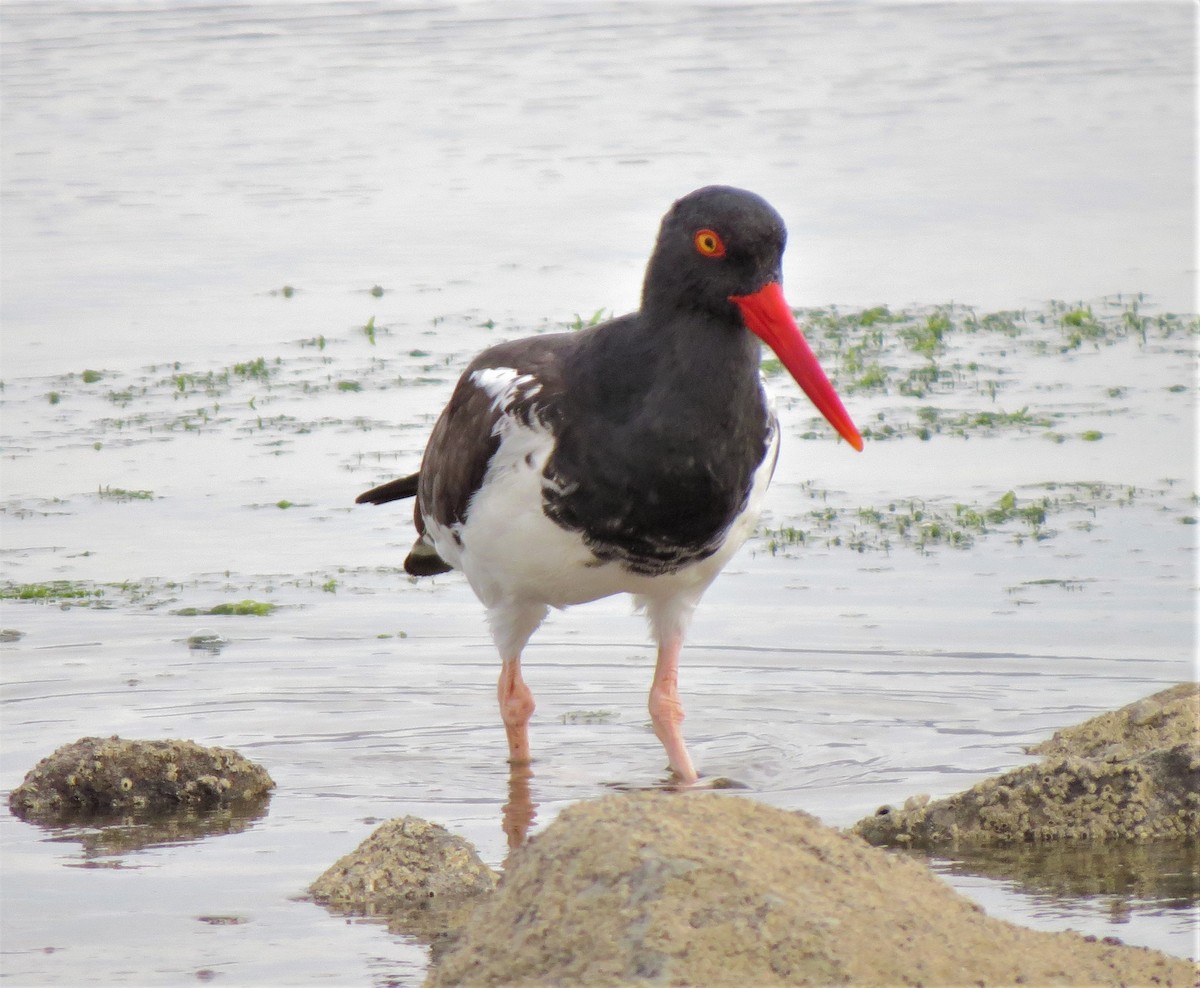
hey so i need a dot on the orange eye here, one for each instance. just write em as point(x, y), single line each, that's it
point(709, 243)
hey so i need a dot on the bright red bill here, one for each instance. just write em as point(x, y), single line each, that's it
point(767, 315)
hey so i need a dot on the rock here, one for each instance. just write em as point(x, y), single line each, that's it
point(104, 777)
point(1165, 720)
point(425, 879)
point(706, 889)
point(1130, 774)
point(404, 861)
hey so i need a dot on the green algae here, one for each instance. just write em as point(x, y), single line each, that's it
point(122, 494)
point(924, 524)
point(54, 590)
point(238, 608)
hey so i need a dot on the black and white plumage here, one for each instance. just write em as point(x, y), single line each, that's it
point(630, 457)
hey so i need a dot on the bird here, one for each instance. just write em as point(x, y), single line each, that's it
point(630, 457)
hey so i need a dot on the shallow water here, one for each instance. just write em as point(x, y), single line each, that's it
point(167, 170)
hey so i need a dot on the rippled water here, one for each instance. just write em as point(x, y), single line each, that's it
point(168, 169)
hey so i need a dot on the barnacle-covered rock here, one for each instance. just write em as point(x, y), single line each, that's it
point(422, 878)
point(1130, 774)
point(405, 861)
point(106, 777)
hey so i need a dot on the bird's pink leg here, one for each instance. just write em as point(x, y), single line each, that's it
point(666, 712)
point(516, 707)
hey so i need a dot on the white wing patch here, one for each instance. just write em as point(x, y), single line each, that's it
point(504, 385)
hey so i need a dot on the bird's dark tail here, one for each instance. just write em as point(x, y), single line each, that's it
point(393, 490)
point(423, 560)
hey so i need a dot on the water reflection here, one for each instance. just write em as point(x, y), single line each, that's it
point(1151, 877)
point(519, 813)
point(112, 836)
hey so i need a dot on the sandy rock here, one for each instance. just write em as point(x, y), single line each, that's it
point(704, 889)
point(111, 776)
point(1131, 774)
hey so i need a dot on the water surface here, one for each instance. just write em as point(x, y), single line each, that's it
point(167, 170)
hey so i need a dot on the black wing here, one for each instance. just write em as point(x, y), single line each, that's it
point(465, 438)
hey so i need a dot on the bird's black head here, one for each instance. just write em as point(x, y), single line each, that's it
point(717, 266)
point(714, 243)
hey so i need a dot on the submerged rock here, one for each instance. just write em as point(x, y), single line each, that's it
point(104, 777)
point(1130, 774)
point(705, 889)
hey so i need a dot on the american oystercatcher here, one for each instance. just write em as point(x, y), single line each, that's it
point(630, 457)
